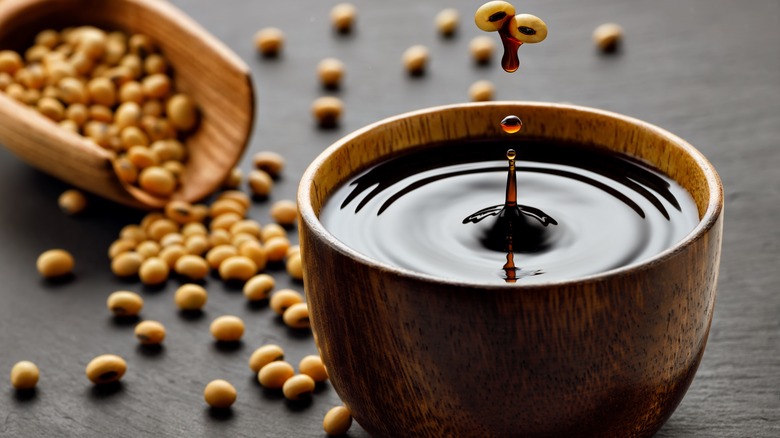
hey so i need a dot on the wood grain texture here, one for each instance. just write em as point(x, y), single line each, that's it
point(204, 68)
point(706, 70)
point(610, 356)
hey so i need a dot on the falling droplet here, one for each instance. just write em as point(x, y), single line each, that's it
point(511, 124)
point(511, 154)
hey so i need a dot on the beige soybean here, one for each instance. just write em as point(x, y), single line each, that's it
point(166, 150)
point(343, 16)
point(227, 328)
point(238, 239)
point(132, 92)
point(291, 251)
point(225, 221)
point(254, 251)
point(148, 248)
point(608, 37)
point(192, 267)
point(337, 421)
point(492, 15)
point(120, 246)
point(154, 271)
point(415, 59)
point(297, 316)
point(272, 230)
point(55, 263)
point(259, 287)
point(276, 248)
point(282, 299)
point(294, 266)
point(284, 212)
point(246, 226)
point(125, 170)
point(482, 91)
point(133, 232)
point(447, 21)
point(156, 86)
point(298, 387)
point(220, 394)
point(313, 367)
point(238, 268)
point(140, 156)
point(274, 374)
point(72, 91)
point(264, 355)
point(171, 254)
point(47, 38)
point(107, 368)
point(269, 162)
point(128, 114)
point(190, 297)
point(482, 48)
point(330, 72)
point(194, 228)
point(150, 332)
point(234, 179)
point(179, 211)
point(24, 375)
point(327, 111)
point(172, 239)
point(269, 41)
point(157, 181)
point(181, 112)
point(161, 228)
point(260, 183)
point(238, 196)
point(102, 91)
point(51, 108)
point(222, 206)
point(72, 202)
point(125, 303)
point(155, 64)
point(219, 254)
point(197, 245)
point(219, 237)
point(126, 264)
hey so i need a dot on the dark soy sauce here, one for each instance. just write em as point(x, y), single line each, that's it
point(569, 212)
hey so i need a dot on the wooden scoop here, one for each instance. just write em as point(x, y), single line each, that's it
point(214, 76)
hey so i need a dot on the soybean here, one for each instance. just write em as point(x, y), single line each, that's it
point(260, 183)
point(482, 91)
point(237, 268)
point(298, 387)
point(125, 303)
point(284, 213)
point(482, 48)
point(55, 263)
point(72, 202)
point(259, 287)
point(343, 17)
point(415, 59)
point(190, 297)
point(327, 111)
point(330, 71)
point(227, 328)
point(265, 355)
point(269, 41)
point(608, 37)
point(270, 162)
point(297, 316)
point(447, 21)
point(150, 332)
point(276, 248)
point(337, 421)
point(154, 271)
point(220, 394)
point(294, 266)
point(313, 367)
point(126, 264)
point(106, 368)
point(192, 267)
point(24, 375)
point(282, 299)
point(274, 374)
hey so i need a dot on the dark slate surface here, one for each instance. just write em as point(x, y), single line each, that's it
point(707, 70)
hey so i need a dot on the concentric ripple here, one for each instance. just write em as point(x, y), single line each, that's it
point(611, 211)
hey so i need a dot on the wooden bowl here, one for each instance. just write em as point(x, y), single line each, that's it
point(607, 355)
point(206, 69)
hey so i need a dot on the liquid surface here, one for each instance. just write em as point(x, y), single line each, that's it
point(412, 212)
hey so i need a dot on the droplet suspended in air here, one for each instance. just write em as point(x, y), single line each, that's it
point(511, 124)
point(511, 154)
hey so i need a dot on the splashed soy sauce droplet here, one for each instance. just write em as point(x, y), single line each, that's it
point(511, 124)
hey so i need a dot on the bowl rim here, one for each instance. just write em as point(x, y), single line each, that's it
point(706, 222)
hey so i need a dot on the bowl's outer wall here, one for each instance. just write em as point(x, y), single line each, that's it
point(609, 356)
